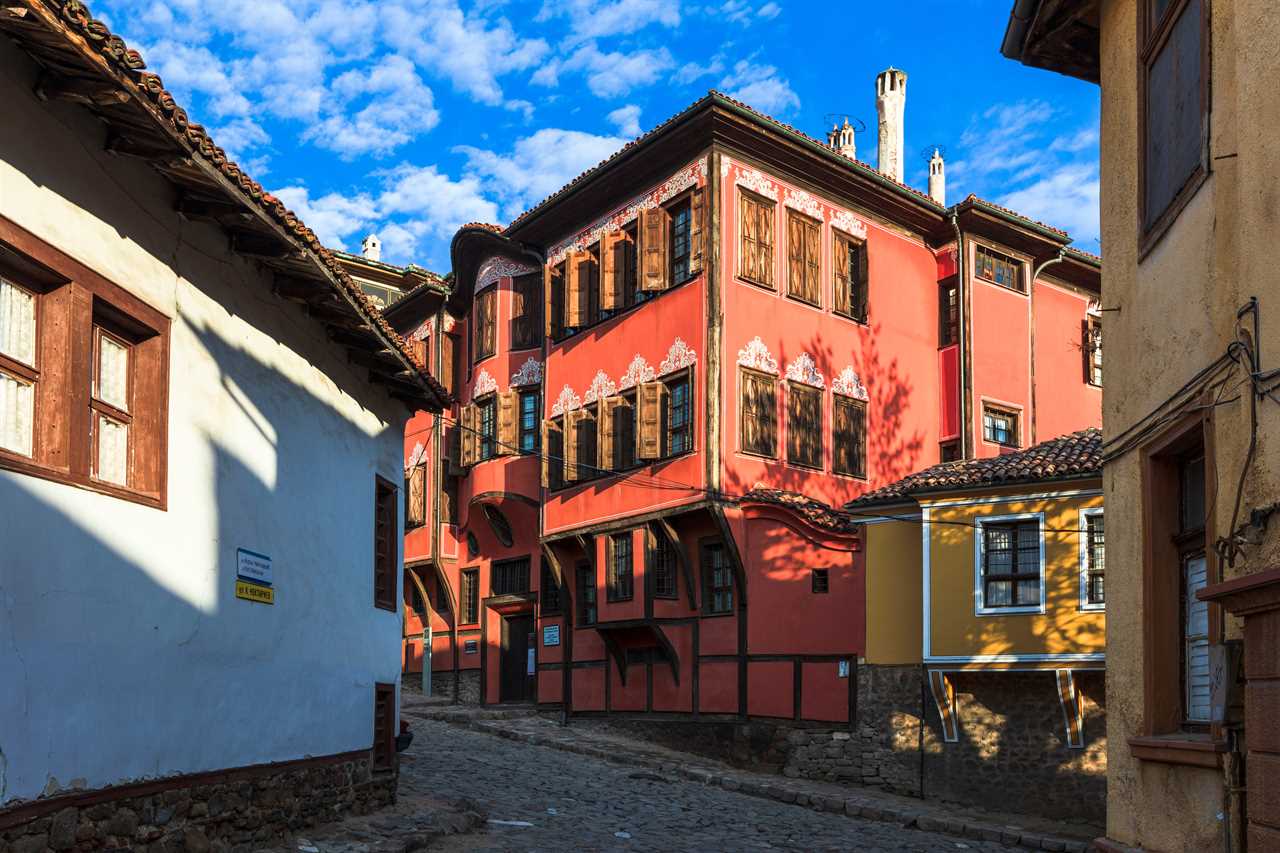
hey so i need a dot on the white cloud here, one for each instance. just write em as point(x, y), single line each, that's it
point(592, 19)
point(692, 71)
point(1066, 197)
point(334, 217)
point(609, 75)
point(760, 87)
point(398, 106)
point(240, 136)
point(769, 11)
point(189, 70)
point(627, 120)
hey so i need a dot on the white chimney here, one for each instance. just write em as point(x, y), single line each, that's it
point(841, 139)
point(937, 178)
point(891, 102)
point(371, 247)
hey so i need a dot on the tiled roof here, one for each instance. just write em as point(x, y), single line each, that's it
point(92, 38)
point(814, 511)
point(1072, 456)
point(971, 199)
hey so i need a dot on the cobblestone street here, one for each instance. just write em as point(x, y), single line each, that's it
point(536, 798)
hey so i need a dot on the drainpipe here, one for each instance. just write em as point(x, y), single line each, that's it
point(1031, 294)
point(962, 298)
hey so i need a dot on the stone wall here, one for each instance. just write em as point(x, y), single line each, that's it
point(466, 682)
point(241, 811)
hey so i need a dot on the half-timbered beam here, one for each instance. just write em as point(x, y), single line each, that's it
point(54, 87)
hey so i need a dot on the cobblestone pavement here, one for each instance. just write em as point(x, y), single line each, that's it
point(541, 799)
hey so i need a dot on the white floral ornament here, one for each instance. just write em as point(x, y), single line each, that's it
point(415, 458)
point(601, 387)
point(530, 373)
point(848, 384)
point(678, 357)
point(485, 384)
point(804, 371)
point(757, 183)
point(849, 224)
point(566, 402)
point(756, 356)
point(496, 268)
point(639, 371)
point(805, 203)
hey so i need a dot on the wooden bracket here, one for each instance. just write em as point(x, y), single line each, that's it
point(1072, 707)
point(944, 697)
point(665, 529)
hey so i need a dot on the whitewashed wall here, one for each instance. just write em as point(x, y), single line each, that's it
point(124, 653)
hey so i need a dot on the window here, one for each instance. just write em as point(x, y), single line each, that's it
point(948, 314)
point(486, 427)
point(629, 263)
point(441, 598)
point(849, 436)
point(415, 497)
point(1093, 351)
point(849, 276)
point(449, 498)
point(679, 416)
point(1000, 426)
point(499, 524)
point(662, 566)
point(1092, 560)
point(819, 581)
point(581, 454)
point(509, 577)
point(486, 324)
point(384, 730)
point(529, 411)
point(620, 579)
point(804, 258)
point(755, 261)
point(586, 594)
point(415, 597)
point(623, 424)
point(804, 425)
point(718, 577)
point(549, 590)
point(553, 456)
point(386, 551)
point(1194, 614)
point(1174, 98)
point(681, 223)
point(759, 413)
point(18, 374)
point(582, 289)
point(949, 451)
point(556, 284)
point(996, 268)
point(526, 310)
point(469, 597)
point(1010, 559)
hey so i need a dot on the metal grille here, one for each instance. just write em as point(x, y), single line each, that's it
point(510, 577)
point(621, 579)
point(719, 574)
point(470, 596)
point(1097, 559)
point(662, 563)
point(679, 417)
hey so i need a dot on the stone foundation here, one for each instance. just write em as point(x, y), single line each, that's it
point(236, 811)
point(466, 682)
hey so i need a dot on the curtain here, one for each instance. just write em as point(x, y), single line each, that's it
point(17, 323)
point(113, 451)
point(17, 410)
point(113, 373)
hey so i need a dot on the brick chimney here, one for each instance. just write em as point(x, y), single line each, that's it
point(840, 138)
point(891, 102)
point(937, 178)
point(371, 247)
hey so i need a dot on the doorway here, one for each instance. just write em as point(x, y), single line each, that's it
point(516, 666)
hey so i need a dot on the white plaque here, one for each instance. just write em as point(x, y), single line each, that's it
point(253, 566)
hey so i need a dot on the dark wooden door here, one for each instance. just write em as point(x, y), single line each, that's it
point(514, 678)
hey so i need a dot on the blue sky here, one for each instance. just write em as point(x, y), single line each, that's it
point(410, 117)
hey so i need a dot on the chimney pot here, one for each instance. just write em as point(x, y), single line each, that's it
point(842, 140)
point(937, 178)
point(891, 101)
point(371, 248)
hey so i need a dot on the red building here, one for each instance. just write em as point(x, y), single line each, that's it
point(655, 364)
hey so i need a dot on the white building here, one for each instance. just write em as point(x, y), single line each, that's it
point(191, 390)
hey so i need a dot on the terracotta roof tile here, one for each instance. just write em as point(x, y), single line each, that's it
point(1076, 455)
point(814, 511)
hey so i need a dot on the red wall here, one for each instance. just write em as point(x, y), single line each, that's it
point(1064, 401)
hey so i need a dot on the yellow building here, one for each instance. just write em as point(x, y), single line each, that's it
point(988, 576)
point(1190, 192)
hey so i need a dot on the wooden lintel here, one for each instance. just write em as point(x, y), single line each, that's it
point(53, 87)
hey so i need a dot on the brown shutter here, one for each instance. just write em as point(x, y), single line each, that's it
point(750, 413)
point(453, 449)
point(445, 370)
point(577, 289)
point(571, 420)
point(764, 253)
point(548, 282)
point(508, 423)
point(795, 256)
point(840, 274)
point(841, 438)
point(547, 461)
point(612, 269)
point(651, 399)
point(491, 323)
point(466, 435)
point(653, 249)
point(813, 262)
point(605, 432)
point(750, 238)
point(864, 282)
point(415, 514)
point(697, 209)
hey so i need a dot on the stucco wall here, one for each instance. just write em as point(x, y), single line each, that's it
point(892, 558)
point(124, 652)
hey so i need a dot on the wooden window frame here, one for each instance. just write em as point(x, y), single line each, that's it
point(806, 222)
point(549, 598)
point(526, 311)
point(859, 450)
point(950, 447)
point(415, 520)
point(672, 208)
point(101, 408)
point(588, 594)
point(620, 581)
point(484, 339)
point(857, 283)
point(746, 375)
point(662, 566)
point(1153, 36)
point(709, 586)
point(469, 596)
point(386, 507)
point(668, 430)
point(554, 460)
point(534, 433)
point(488, 404)
point(1019, 266)
point(1092, 351)
point(948, 313)
point(793, 427)
point(820, 581)
point(71, 302)
point(746, 200)
point(1005, 410)
point(1087, 572)
point(383, 751)
point(981, 578)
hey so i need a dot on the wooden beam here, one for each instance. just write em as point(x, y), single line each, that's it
point(731, 545)
point(210, 209)
point(262, 246)
point(124, 146)
point(95, 92)
point(364, 339)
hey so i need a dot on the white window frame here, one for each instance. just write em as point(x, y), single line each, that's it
point(1085, 515)
point(979, 545)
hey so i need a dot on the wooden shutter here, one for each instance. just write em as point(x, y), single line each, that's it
point(448, 343)
point(697, 209)
point(548, 283)
point(795, 255)
point(491, 323)
point(840, 274)
point(453, 448)
point(467, 438)
point(812, 261)
point(651, 401)
point(748, 263)
point(748, 422)
point(571, 445)
point(764, 251)
point(607, 432)
point(578, 289)
point(842, 429)
point(508, 423)
point(547, 428)
point(613, 266)
point(653, 249)
point(863, 280)
point(415, 513)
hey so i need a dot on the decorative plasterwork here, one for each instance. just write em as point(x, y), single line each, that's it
point(757, 183)
point(687, 177)
point(448, 323)
point(804, 371)
point(848, 384)
point(566, 402)
point(423, 331)
point(485, 384)
point(805, 203)
point(602, 386)
point(637, 372)
point(725, 165)
point(1094, 309)
point(849, 224)
point(756, 356)
point(530, 373)
point(678, 357)
point(415, 458)
point(496, 268)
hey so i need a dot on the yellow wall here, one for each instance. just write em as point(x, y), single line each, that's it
point(893, 590)
point(956, 630)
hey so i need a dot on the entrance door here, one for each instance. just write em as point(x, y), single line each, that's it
point(514, 677)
